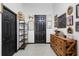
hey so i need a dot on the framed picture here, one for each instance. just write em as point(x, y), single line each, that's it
point(77, 11)
point(70, 30)
point(70, 10)
point(69, 20)
point(49, 18)
point(49, 25)
point(77, 26)
point(31, 18)
point(62, 21)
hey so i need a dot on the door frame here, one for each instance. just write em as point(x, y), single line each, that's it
point(4, 7)
point(34, 30)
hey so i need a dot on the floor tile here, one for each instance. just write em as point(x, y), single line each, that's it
point(36, 50)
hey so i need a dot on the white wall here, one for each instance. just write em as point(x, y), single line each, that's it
point(38, 9)
point(60, 9)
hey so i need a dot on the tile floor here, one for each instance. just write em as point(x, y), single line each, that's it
point(36, 50)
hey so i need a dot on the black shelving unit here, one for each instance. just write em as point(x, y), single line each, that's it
point(22, 34)
point(22, 31)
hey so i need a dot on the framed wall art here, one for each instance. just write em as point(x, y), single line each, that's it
point(70, 30)
point(49, 18)
point(69, 10)
point(62, 21)
point(31, 18)
point(69, 20)
point(55, 21)
point(77, 26)
point(77, 11)
point(49, 24)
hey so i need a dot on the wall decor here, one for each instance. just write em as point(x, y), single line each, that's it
point(49, 26)
point(69, 20)
point(55, 21)
point(69, 10)
point(77, 11)
point(62, 21)
point(77, 26)
point(49, 17)
point(70, 30)
point(31, 18)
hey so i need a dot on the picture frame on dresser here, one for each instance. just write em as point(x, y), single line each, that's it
point(77, 11)
point(77, 26)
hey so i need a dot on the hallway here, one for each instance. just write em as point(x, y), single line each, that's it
point(36, 50)
point(39, 24)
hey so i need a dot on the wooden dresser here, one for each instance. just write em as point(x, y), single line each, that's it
point(63, 46)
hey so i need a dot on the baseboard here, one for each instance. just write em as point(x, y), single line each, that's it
point(47, 42)
point(39, 43)
point(31, 43)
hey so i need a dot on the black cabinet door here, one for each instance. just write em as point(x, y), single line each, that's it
point(40, 29)
point(8, 32)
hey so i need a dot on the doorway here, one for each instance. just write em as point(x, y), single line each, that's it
point(9, 32)
point(40, 29)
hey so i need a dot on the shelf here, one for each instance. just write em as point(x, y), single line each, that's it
point(26, 38)
point(22, 35)
point(26, 34)
point(21, 20)
point(21, 28)
point(21, 23)
point(23, 40)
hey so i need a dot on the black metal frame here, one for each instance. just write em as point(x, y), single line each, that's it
point(77, 16)
point(77, 25)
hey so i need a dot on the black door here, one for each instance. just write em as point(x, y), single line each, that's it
point(9, 45)
point(40, 29)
